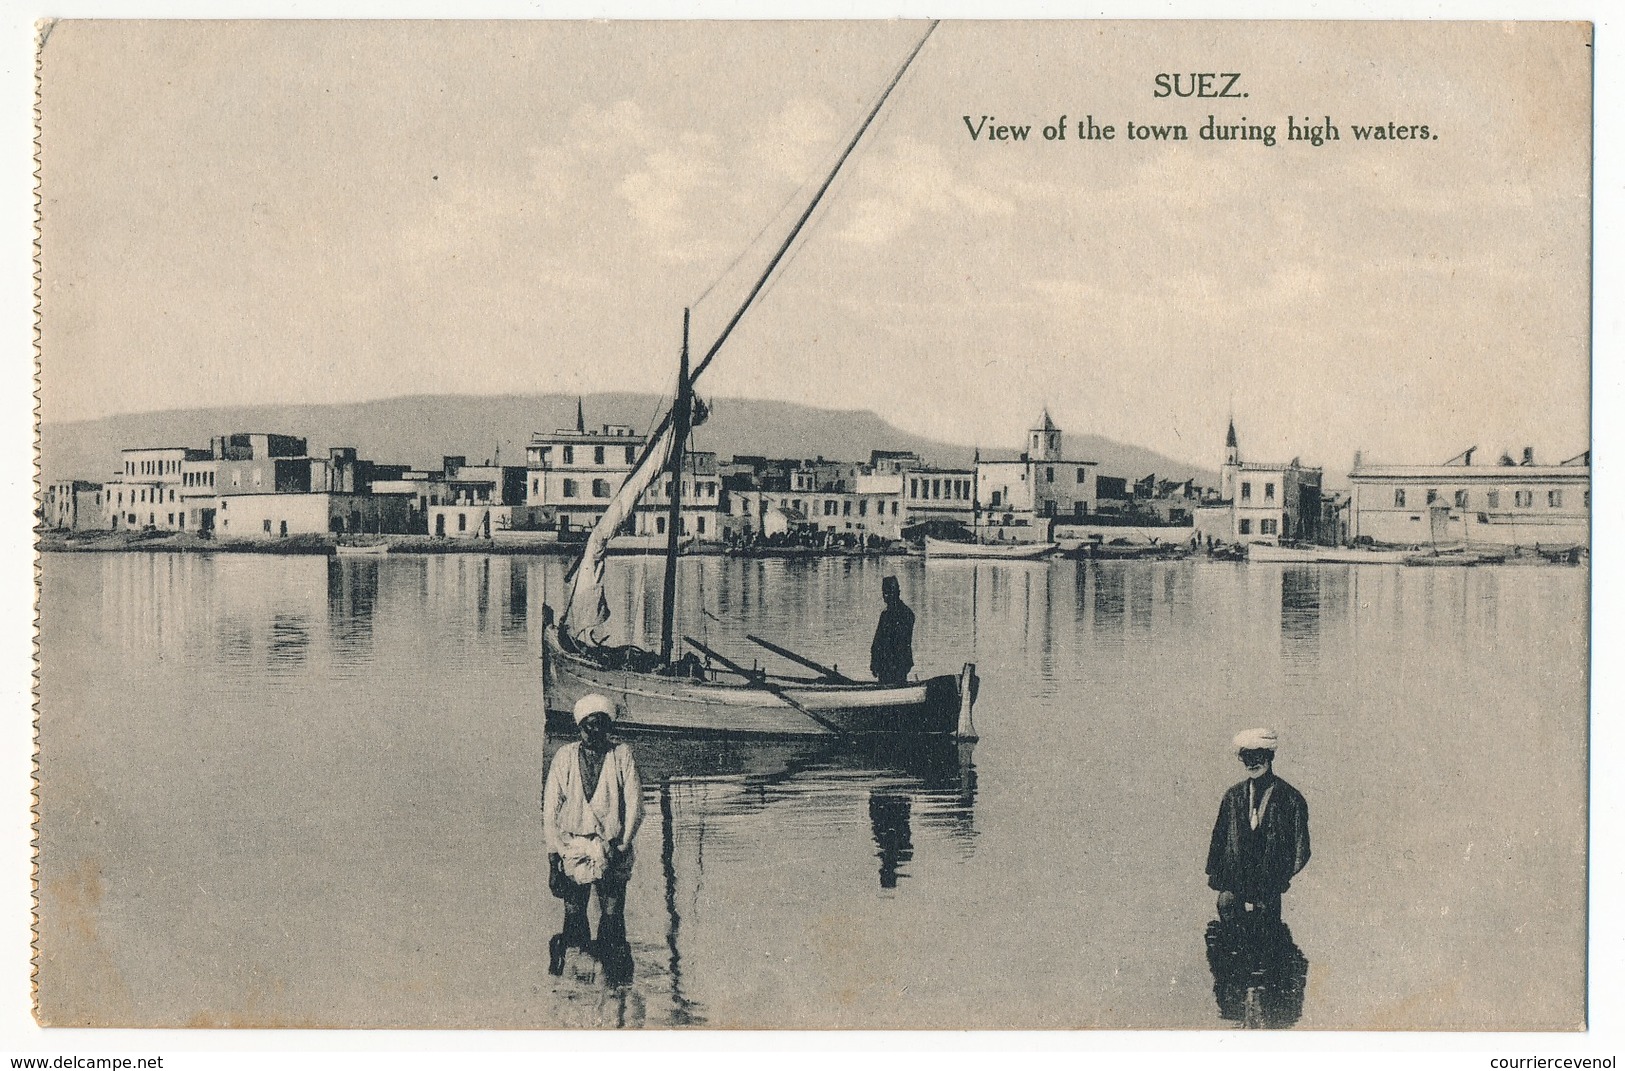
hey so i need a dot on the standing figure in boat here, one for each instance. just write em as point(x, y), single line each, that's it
point(891, 655)
point(591, 808)
point(1261, 838)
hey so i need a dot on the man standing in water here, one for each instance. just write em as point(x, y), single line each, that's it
point(591, 807)
point(1261, 838)
point(891, 655)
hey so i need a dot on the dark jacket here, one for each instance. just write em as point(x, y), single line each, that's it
point(1257, 864)
point(891, 655)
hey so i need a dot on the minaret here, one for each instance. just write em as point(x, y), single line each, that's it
point(1232, 464)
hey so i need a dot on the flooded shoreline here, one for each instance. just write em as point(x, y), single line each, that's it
point(285, 791)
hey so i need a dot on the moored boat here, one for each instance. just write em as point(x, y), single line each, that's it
point(360, 550)
point(942, 548)
point(1270, 552)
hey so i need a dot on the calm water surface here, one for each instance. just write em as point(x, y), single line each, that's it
point(293, 791)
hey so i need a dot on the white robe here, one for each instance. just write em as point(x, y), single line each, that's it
point(613, 814)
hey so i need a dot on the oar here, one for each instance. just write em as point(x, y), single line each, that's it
point(756, 681)
point(783, 652)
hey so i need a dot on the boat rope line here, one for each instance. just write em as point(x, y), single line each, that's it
point(812, 206)
point(784, 247)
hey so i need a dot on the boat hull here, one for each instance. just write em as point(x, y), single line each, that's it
point(650, 702)
point(1266, 552)
point(367, 550)
point(939, 548)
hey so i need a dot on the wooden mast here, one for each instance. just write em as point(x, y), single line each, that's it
point(681, 413)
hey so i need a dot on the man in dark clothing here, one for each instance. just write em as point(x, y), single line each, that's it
point(891, 655)
point(1261, 838)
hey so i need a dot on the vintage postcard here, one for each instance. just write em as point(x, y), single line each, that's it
point(806, 525)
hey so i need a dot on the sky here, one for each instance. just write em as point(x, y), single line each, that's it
point(247, 213)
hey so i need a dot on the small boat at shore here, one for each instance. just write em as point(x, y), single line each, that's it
point(1458, 556)
point(942, 548)
point(1270, 552)
point(360, 550)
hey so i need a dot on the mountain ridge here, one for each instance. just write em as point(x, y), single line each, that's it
point(420, 429)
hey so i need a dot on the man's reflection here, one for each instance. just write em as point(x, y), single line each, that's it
point(1258, 971)
point(888, 815)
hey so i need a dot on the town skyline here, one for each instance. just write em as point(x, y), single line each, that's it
point(526, 218)
point(754, 441)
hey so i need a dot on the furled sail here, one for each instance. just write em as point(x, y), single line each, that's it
point(588, 608)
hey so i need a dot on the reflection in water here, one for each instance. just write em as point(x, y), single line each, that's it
point(352, 599)
point(1258, 971)
point(514, 613)
point(888, 815)
point(683, 1011)
point(751, 850)
point(1300, 613)
point(1108, 601)
point(733, 791)
point(290, 643)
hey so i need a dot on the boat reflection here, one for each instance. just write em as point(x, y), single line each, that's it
point(721, 788)
point(1259, 972)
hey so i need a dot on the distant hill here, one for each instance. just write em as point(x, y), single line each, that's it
point(420, 429)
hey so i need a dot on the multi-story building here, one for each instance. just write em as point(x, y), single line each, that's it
point(148, 490)
point(701, 494)
point(1262, 502)
point(936, 494)
point(1511, 503)
point(1018, 500)
point(73, 505)
point(474, 500)
point(573, 474)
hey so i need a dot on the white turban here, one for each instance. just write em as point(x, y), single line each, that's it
point(1247, 739)
point(593, 703)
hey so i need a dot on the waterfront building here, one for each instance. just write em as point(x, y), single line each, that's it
point(573, 473)
point(701, 493)
point(148, 490)
point(1507, 504)
point(473, 500)
point(1019, 499)
point(1261, 502)
point(423, 487)
point(938, 494)
point(73, 505)
point(272, 515)
point(766, 498)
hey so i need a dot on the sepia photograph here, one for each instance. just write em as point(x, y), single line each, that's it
point(894, 525)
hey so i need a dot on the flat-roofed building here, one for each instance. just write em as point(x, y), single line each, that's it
point(73, 506)
point(1507, 504)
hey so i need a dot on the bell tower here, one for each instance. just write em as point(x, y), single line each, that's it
point(1044, 440)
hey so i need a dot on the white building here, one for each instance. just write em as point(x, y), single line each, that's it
point(148, 490)
point(572, 475)
point(1019, 499)
point(272, 515)
point(1262, 502)
point(1507, 504)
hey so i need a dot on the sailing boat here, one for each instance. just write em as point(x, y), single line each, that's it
point(655, 691)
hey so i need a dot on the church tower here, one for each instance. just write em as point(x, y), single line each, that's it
point(1232, 465)
point(1044, 440)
